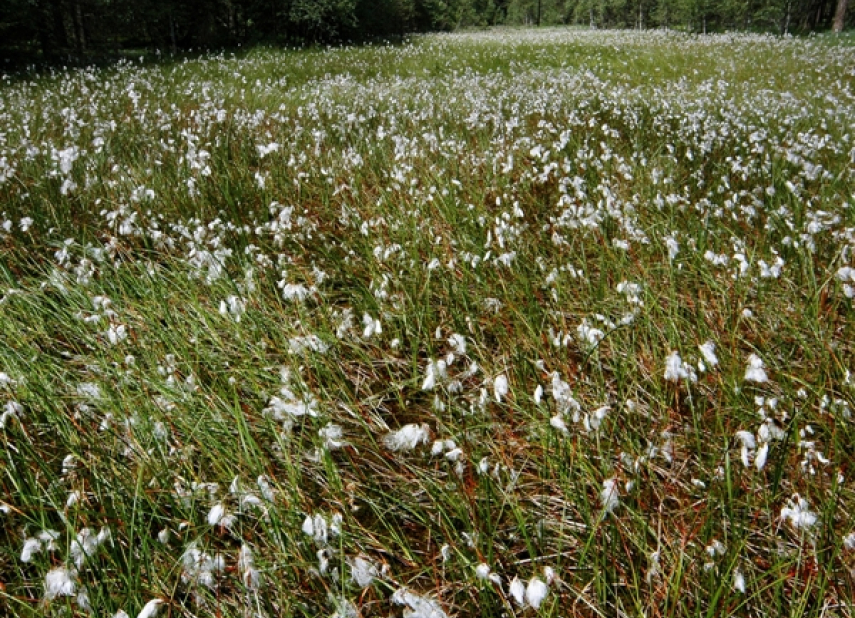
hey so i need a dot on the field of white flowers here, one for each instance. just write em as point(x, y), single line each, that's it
point(511, 323)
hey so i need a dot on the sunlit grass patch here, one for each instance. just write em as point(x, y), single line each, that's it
point(533, 323)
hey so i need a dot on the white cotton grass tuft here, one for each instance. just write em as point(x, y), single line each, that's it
point(60, 582)
point(290, 406)
point(333, 436)
point(676, 369)
point(316, 527)
point(73, 498)
point(738, 581)
point(756, 370)
point(295, 292)
point(265, 488)
point(150, 609)
point(435, 372)
point(417, 606)
point(320, 530)
point(500, 387)
point(246, 565)
point(654, 568)
point(83, 600)
point(335, 524)
point(716, 548)
point(798, 513)
point(484, 573)
point(457, 342)
point(219, 516)
point(86, 543)
point(200, 568)
point(89, 390)
point(233, 307)
point(371, 325)
point(117, 333)
point(31, 547)
point(708, 351)
point(748, 446)
point(563, 396)
point(589, 336)
point(343, 608)
point(441, 446)
point(484, 465)
point(531, 595)
point(323, 556)
point(517, 591)
point(12, 409)
point(549, 575)
point(557, 422)
point(407, 437)
point(672, 245)
point(770, 431)
point(43, 541)
point(609, 496)
point(760, 457)
point(593, 421)
point(310, 343)
point(536, 592)
point(362, 571)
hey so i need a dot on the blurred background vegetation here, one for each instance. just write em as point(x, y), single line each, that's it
point(35, 32)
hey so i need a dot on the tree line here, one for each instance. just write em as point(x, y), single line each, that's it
point(48, 31)
point(778, 16)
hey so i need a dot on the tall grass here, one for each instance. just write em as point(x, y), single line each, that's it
point(417, 329)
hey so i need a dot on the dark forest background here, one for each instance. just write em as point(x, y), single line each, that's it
point(77, 31)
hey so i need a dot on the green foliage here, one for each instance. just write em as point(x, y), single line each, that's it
point(322, 20)
point(78, 31)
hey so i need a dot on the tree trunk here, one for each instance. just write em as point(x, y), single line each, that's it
point(47, 46)
point(230, 20)
point(59, 33)
point(80, 33)
point(172, 39)
point(840, 16)
point(787, 22)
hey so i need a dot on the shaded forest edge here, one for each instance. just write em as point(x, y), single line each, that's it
point(75, 32)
